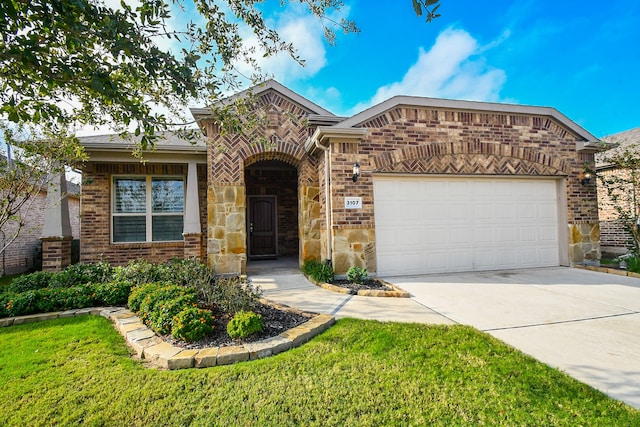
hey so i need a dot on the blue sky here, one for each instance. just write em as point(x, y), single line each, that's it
point(580, 57)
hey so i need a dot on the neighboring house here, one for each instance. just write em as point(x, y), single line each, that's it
point(22, 255)
point(443, 186)
point(614, 239)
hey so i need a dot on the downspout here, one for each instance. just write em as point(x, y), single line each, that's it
point(327, 195)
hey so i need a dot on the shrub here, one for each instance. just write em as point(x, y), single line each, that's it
point(633, 264)
point(357, 275)
point(318, 271)
point(232, 294)
point(140, 272)
point(80, 273)
point(161, 318)
point(30, 282)
point(113, 293)
point(243, 324)
point(192, 324)
point(139, 293)
point(154, 299)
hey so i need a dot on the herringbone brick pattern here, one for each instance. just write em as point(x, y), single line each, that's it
point(471, 164)
point(280, 136)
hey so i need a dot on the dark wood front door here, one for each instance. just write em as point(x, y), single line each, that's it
point(262, 227)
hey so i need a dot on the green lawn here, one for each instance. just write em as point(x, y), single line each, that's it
point(77, 371)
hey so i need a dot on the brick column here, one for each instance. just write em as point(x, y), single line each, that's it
point(192, 245)
point(56, 232)
point(192, 231)
point(56, 253)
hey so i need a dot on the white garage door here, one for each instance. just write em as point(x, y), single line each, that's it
point(439, 225)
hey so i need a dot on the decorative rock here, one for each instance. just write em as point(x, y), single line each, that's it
point(139, 345)
point(140, 334)
point(68, 313)
point(160, 353)
point(182, 360)
point(298, 335)
point(206, 358)
point(35, 318)
point(7, 321)
point(130, 327)
point(259, 350)
point(234, 354)
point(279, 344)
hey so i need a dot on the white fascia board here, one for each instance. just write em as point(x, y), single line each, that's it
point(416, 101)
point(204, 113)
point(323, 133)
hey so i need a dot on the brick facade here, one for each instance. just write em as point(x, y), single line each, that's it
point(22, 254)
point(615, 239)
point(286, 154)
point(95, 212)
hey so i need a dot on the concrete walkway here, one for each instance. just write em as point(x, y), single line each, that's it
point(585, 323)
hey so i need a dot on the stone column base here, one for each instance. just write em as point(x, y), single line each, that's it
point(56, 253)
point(192, 245)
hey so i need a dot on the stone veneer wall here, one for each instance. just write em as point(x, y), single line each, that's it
point(95, 215)
point(282, 138)
point(438, 141)
point(309, 223)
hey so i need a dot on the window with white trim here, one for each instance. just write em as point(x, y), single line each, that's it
point(147, 209)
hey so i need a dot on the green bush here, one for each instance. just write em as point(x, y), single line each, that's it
point(139, 293)
point(318, 271)
point(154, 299)
point(139, 272)
point(113, 293)
point(192, 324)
point(30, 282)
point(633, 264)
point(232, 294)
point(161, 318)
point(243, 324)
point(80, 273)
point(52, 299)
point(357, 275)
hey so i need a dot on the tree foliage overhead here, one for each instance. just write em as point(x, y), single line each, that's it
point(76, 62)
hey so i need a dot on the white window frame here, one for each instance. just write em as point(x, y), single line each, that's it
point(148, 214)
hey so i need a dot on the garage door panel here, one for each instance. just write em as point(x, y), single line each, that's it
point(435, 225)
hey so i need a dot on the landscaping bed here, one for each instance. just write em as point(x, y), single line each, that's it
point(357, 281)
point(183, 301)
point(275, 319)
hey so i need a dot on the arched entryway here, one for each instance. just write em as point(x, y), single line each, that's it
point(272, 210)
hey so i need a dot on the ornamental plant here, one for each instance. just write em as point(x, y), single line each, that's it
point(318, 271)
point(243, 324)
point(192, 324)
point(357, 275)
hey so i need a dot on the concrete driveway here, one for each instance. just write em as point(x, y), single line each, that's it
point(585, 323)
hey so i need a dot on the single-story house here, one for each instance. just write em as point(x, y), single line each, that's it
point(615, 240)
point(412, 185)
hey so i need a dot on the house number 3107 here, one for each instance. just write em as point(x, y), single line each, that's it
point(353, 202)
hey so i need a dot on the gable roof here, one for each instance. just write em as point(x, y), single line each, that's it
point(618, 143)
point(417, 101)
point(259, 89)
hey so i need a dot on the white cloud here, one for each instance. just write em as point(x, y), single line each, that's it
point(298, 26)
point(452, 68)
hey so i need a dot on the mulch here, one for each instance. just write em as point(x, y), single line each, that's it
point(275, 319)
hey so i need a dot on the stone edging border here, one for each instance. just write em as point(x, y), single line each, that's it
point(608, 270)
point(150, 347)
point(396, 293)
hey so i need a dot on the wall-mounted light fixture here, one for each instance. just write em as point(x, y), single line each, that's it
point(585, 178)
point(356, 172)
